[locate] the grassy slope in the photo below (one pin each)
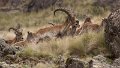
(81, 8)
(83, 46)
(86, 45)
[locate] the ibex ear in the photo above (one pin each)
(28, 32)
(77, 21)
(104, 19)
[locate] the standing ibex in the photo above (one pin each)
(60, 30)
(18, 33)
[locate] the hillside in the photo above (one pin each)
(50, 51)
(81, 8)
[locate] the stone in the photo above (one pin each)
(5, 65)
(112, 33)
(74, 63)
(6, 49)
(116, 62)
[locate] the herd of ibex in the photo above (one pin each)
(70, 27)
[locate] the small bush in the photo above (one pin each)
(34, 52)
(91, 43)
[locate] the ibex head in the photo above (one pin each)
(18, 33)
(30, 36)
(71, 16)
(77, 23)
(70, 21)
(88, 20)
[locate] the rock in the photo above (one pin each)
(3, 44)
(74, 63)
(112, 33)
(101, 62)
(113, 4)
(96, 62)
(100, 58)
(116, 62)
(5, 65)
(6, 49)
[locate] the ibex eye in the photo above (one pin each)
(77, 21)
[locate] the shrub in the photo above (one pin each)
(90, 43)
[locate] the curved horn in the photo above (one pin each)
(12, 29)
(70, 17)
(63, 10)
(52, 24)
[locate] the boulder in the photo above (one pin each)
(98, 61)
(101, 62)
(6, 49)
(5, 65)
(74, 63)
(116, 62)
(112, 33)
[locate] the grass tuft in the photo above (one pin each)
(90, 43)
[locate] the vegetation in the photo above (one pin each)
(88, 44)
(85, 45)
(81, 8)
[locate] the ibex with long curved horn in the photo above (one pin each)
(71, 23)
(18, 33)
(67, 28)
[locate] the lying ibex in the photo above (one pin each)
(67, 28)
(18, 33)
(88, 25)
(70, 24)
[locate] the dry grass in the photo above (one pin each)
(91, 43)
(44, 65)
(28, 19)
(86, 45)
(81, 8)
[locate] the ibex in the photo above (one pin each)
(70, 24)
(18, 33)
(67, 28)
(88, 25)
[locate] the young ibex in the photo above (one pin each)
(88, 25)
(18, 33)
(60, 30)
